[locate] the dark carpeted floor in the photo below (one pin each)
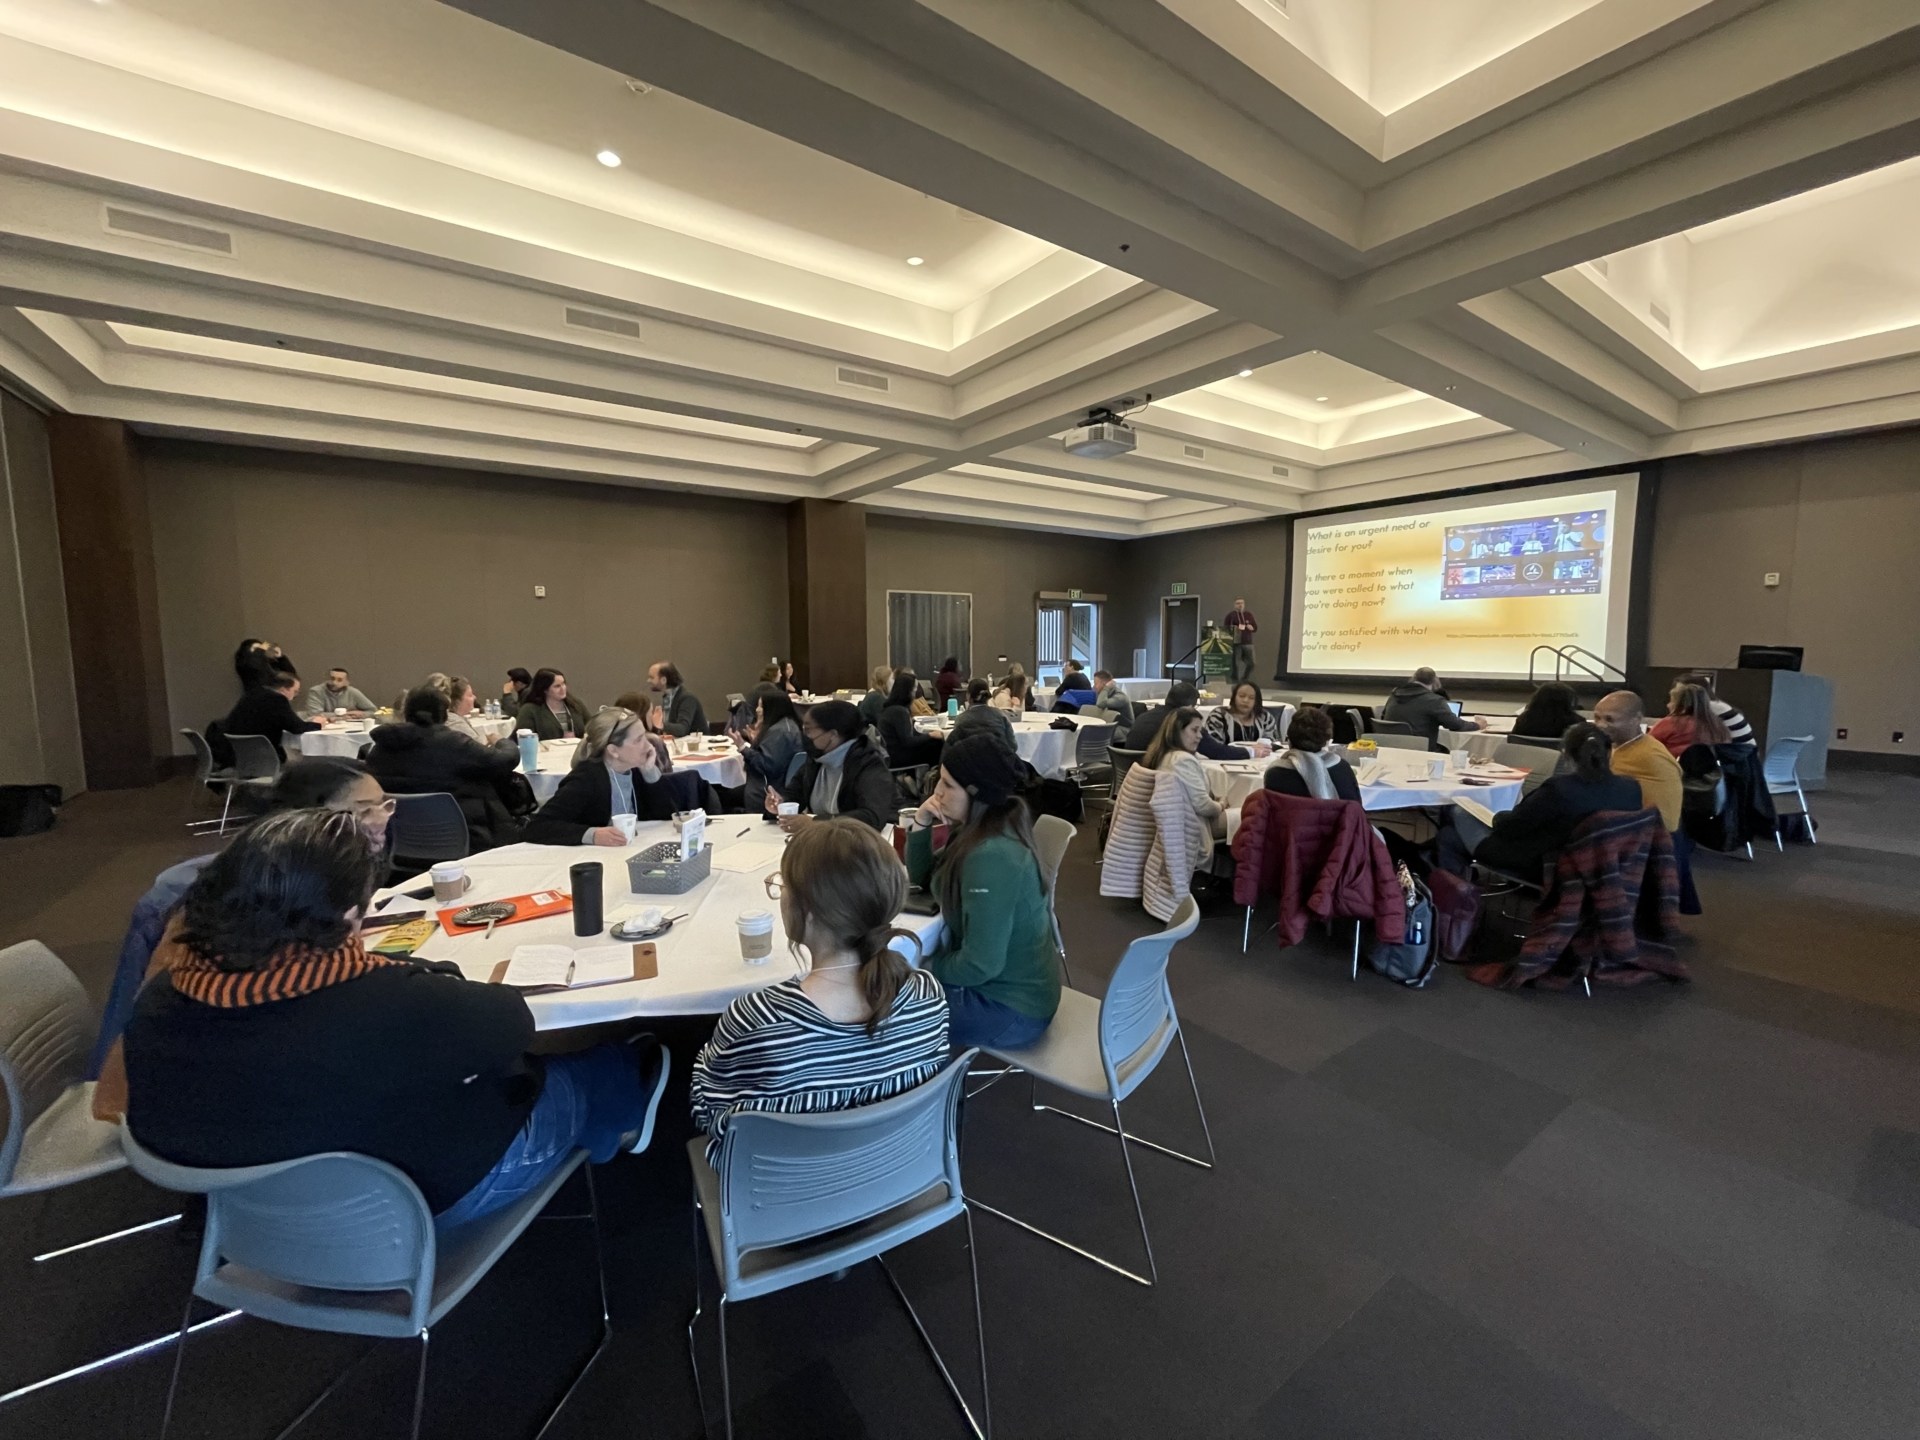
(1451, 1213)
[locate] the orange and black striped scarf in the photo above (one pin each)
(296, 971)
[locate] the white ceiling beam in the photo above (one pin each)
(1133, 472)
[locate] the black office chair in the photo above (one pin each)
(1390, 727)
(428, 828)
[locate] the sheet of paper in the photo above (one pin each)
(1475, 809)
(532, 965)
(602, 964)
(746, 856)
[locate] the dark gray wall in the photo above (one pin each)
(1216, 565)
(40, 736)
(1840, 521)
(395, 571)
(1004, 570)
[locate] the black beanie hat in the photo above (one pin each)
(983, 766)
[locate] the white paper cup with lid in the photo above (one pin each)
(755, 928)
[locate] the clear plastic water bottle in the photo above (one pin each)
(529, 751)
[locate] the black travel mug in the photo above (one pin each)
(586, 881)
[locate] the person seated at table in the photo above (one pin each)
(550, 710)
(267, 709)
(1524, 839)
(462, 706)
(1622, 714)
(905, 745)
(1421, 705)
(1548, 712)
(256, 662)
(1244, 719)
(274, 1034)
(1013, 694)
(513, 693)
(948, 682)
(860, 1026)
(1308, 768)
(845, 772)
(435, 680)
(654, 719)
(1075, 690)
(1173, 750)
(614, 772)
(423, 755)
(338, 693)
(875, 700)
(981, 716)
(1109, 696)
(684, 714)
(997, 956)
(1181, 695)
(785, 679)
(1689, 721)
(769, 746)
(1739, 728)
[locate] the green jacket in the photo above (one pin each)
(1001, 943)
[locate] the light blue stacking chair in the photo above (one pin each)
(797, 1197)
(1103, 1049)
(346, 1244)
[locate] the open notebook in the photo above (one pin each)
(561, 967)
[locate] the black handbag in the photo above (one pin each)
(1411, 961)
(27, 809)
(1703, 796)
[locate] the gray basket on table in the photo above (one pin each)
(659, 870)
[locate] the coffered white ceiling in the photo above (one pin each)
(1331, 250)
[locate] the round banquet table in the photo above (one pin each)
(334, 740)
(722, 769)
(1398, 780)
(701, 971)
(1480, 744)
(1051, 752)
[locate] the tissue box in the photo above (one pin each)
(659, 870)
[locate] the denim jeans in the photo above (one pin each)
(973, 1019)
(589, 1102)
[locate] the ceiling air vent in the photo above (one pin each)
(605, 324)
(1194, 452)
(1661, 316)
(1281, 470)
(863, 379)
(121, 221)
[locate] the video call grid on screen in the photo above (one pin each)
(1377, 591)
(1559, 554)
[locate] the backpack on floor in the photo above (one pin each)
(1410, 961)
(27, 809)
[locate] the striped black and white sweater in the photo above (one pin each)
(775, 1050)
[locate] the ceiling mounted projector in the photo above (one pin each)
(1101, 436)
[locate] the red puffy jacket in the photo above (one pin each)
(1321, 860)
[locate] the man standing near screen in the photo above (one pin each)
(1241, 626)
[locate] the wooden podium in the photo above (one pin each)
(1777, 703)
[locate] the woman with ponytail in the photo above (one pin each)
(997, 956)
(1525, 838)
(858, 1025)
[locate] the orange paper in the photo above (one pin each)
(526, 907)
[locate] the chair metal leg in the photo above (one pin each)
(1356, 952)
(331, 1386)
(1749, 849)
(1778, 843)
(1812, 838)
(982, 1427)
(1206, 1131)
(693, 1354)
(606, 1313)
(420, 1388)
(179, 1355)
(226, 810)
(726, 1371)
(1246, 931)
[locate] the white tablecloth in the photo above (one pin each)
(1051, 752)
(725, 770)
(334, 740)
(1398, 780)
(701, 971)
(491, 727)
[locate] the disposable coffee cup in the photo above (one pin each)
(626, 825)
(789, 807)
(339, 709)
(449, 883)
(756, 936)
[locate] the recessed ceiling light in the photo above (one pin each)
(608, 158)
(915, 260)
(1245, 373)
(1320, 399)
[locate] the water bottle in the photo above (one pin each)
(529, 751)
(953, 705)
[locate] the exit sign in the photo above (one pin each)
(1075, 594)
(1177, 588)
